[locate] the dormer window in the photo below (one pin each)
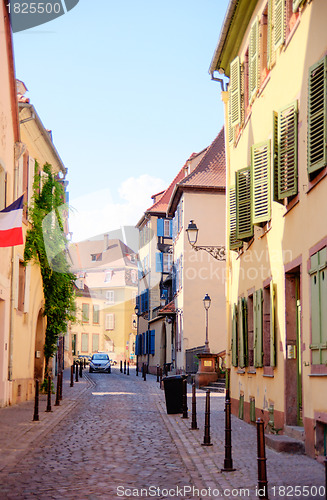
(96, 257)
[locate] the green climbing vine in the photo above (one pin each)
(46, 244)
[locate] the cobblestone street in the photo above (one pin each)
(111, 437)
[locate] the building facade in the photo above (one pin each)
(106, 289)
(274, 53)
(10, 150)
(200, 197)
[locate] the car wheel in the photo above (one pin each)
(90, 370)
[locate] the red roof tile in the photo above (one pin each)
(211, 170)
(168, 309)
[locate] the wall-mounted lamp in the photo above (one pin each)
(217, 252)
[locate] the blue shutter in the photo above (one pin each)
(136, 345)
(146, 299)
(138, 302)
(170, 229)
(152, 341)
(174, 278)
(147, 336)
(160, 227)
(143, 343)
(159, 262)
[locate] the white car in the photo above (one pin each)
(100, 362)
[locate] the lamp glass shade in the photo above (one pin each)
(206, 301)
(192, 232)
(136, 309)
(162, 301)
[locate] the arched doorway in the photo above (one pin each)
(39, 345)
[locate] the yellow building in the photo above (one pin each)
(106, 287)
(10, 150)
(274, 53)
(28, 323)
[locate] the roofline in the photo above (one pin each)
(236, 20)
(23, 105)
(176, 196)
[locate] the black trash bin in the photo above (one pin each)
(173, 386)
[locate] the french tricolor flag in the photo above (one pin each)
(11, 232)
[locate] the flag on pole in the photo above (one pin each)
(11, 232)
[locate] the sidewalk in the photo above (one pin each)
(284, 471)
(19, 434)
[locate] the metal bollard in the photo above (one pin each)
(125, 367)
(194, 425)
(262, 471)
(157, 373)
(137, 369)
(206, 438)
(228, 462)
(160, 379)
(110, 368)
(121, 366)
(144, 372)
(72, 376)
(36, 402)
(76, 373)
(128, 368)
(49, 396)
(184, 400)
(73, 365)
(81, 369)
(84, 362)
(57, 403)
(60, 386)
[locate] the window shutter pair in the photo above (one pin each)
(244, 226)
(260, 183)
(234, 243)
(317, 113)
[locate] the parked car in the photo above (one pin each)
(100, 362)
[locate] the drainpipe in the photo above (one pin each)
(224, 97)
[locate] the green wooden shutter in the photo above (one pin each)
(275, 158)
(234, 244)
(269, 34)
(279, 24)
(317, 113)
(253, 59)
(244, 226)
(234, 336)
(242, 333)
(296, 4)
(240, 325)
(318, 274)
(245, 331)
(287, 151)
(235, 91)
(257, 326)
(272, 325)
(260, 182)
(230, 128)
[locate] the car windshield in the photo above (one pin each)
(100, 356)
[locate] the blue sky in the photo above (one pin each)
(124, 86)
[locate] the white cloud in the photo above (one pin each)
(97, 213)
